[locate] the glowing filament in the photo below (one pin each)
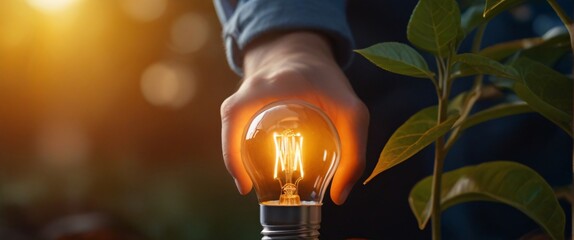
(288, 152)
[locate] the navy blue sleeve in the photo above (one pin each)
(245, 20)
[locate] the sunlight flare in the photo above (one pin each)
(51, 6)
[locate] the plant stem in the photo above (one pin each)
(470, 100)
(570, 28)
(560, 12)
(437, 180)
(565, 20)
(443, 94)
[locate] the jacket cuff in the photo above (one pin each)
(255, 18)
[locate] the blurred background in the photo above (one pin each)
(110, 129)
(109, 122)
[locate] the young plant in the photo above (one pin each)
(437, 27)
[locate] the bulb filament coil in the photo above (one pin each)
(288, 162)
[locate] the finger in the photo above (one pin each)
(353, 134)
(232, 124)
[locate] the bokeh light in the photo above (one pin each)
(62, 144)
(110, 123)
(189, 33)
(144, 10)
(51, 6)
(168, 85)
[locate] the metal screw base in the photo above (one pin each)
(290, 222)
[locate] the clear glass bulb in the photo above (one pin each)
(290, 150)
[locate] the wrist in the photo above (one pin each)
(280, 48)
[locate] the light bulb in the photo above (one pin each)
(290, 150)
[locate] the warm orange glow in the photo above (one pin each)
(288, 148)
(95, 97)
(62, 143)
(189, 33)
(288, 151)
(51, 5)
(168, 85)
(144, 10)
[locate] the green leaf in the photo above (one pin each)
(415, 134)
(501, 181)
(483, 65)
(546, 91)
(498, 111)
(546, 49)
(434, 26)
(555, 44)
(503, 50)
(494, 7)
(457, 104)
(397, 58)
(471, 18)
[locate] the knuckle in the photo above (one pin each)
(228, 162)
(228, 107)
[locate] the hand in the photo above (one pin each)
(296, 65)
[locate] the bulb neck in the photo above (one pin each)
(290, 222)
